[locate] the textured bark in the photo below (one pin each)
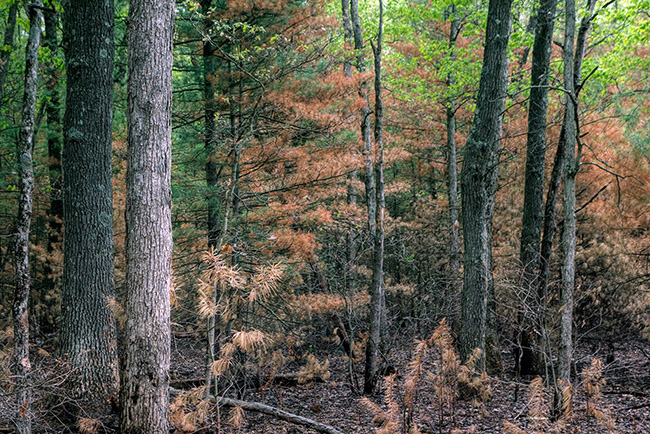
(569, 232)
(8, 45)
(210, 113)
(21, 366)
(347, 36)
(533, 313)
(479, 180)
(144, 394)
(452, 184)
(88, 338)
(377, 306)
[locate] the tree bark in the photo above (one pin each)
(21, 364)
(452, 185)
(479, 180)
(144, 394)
(88, 337)
(569, 232)
(8, 46)
(377, 305)
(210, 113)
(531, 359)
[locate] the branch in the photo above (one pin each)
(271, 411)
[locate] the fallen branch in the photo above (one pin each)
(271, 411)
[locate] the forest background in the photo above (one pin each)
(295, 229)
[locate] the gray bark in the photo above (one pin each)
(530, 360)
(569, 232)
(9, 45)
(479, 180)
(88, 337)
(21, 365)
(377, 306)
(347, 36)
(144, 394)
(452, 185)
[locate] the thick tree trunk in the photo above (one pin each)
(377, 306)
(144, 394)
(21, 365)
(452, 185)
(88, 338)
(569, 232)
(479, 179)
(530, 359)
(8, 45)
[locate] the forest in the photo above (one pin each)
(324, 216)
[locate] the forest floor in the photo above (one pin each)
(625, 396)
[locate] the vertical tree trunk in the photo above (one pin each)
(452, 186)
(530, 359)
(88, 338)
(8, 45)
(144, 394)
(377, 290)
(210, 113)
(21, 365)
(569, 232)
(479, 179)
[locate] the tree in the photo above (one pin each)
(479, 180)
(88, 337)
(144, 393)
(7, 47)
(21, 364)
(377, 304)
(529, 360)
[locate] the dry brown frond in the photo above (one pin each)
(537, 406)
(313, 369)
(567, 400)
(379, 416)
(248, 341)
(510, 428)
(220, 366)
(237, 416)
(117, 310)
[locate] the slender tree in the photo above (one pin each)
(8, 46)
(479, 180)
(21, 364)
(144, 394)
(569, 200)
(88, 338)
(530, 361)
(377, 290)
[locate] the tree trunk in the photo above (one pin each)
(21, 365)
(452, 186)
(210, 113)
(479, 179)
(144, 394)
(88, 338)
(377, 306)
(569, 232)
(530, 360)
(8, 47)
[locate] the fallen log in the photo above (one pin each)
(271, 411)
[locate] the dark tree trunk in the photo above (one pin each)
(479, 180)
(21, 365)
(8, 45)
(377, 306)
(210, 113)
(144, 394)
(88, 337)
(530, 359)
